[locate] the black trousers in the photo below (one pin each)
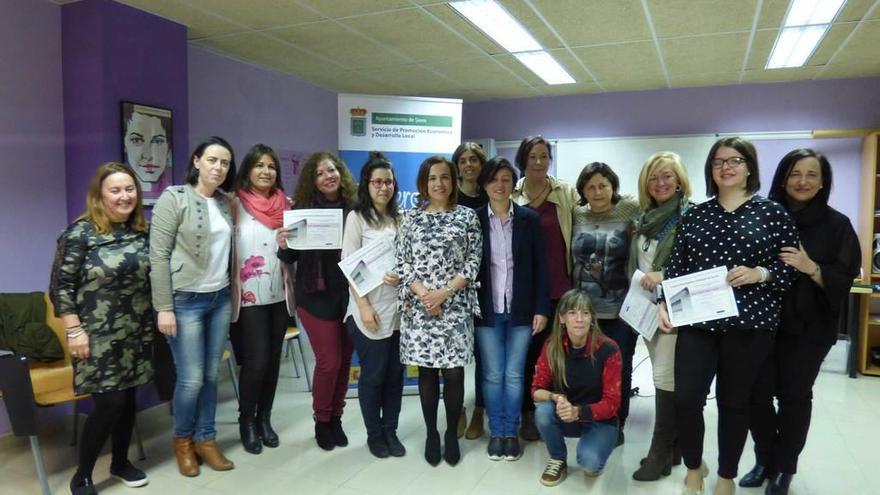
(733, 356)
(260, 338)
(113, 416)
(789, 373)
(380, 383)
(625, 338)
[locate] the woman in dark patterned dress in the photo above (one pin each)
(439, 247)
(101, 289)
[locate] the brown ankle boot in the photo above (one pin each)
(475, 429)
(207, 450)
(186, 456)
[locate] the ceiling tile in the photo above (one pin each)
(200, 24)
(855, 10)
(569, 89)
(348, 8)
(773, 12)
(414, 34)
(859, 57)
(623, 61)
(636, 84)
(831, 43)
(333, 41)
(485, 72)
(687, 17)
(268, 52)
(351, 82)
(704, 79)
(502, 93)
(258, 15)
(762, 45)
(585, 22)
(716, 53)
(572, 63)
(446, 15)
(780, 75)
(410, 78)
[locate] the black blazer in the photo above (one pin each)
(531, 292)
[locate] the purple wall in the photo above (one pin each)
(849, 103)
(32, 206)
(247, 105)
(112, 53)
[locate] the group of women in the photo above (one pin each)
(501, 263)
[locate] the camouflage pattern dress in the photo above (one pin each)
(104, 279)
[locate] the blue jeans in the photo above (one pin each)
(202, 330)
(503, 350)
(380, 384)
(597, 440)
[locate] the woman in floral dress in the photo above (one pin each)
(439, 246)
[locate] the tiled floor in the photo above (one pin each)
(839, 459)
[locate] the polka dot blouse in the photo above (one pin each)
(752, 235)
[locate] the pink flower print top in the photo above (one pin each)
(259, 269)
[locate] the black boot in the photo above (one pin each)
(756, 476)
(339, 437)
(82, 486)
(432, 448)
(451, 451)
(265, 430)
(247, 428)
(324, 435)
(659, 460)
(778, 484)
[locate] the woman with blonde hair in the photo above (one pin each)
(664, 190)
(101, 290)
(577, 389)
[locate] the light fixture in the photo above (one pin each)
(545, 66)
(493, 20)
(805, 26)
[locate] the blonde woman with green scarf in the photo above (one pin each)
(664, 191)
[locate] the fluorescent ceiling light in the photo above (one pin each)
(808, 12)
(545, 67)
(499, 25)
(795, 45)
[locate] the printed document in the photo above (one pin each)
(698, 297)
(314, 229)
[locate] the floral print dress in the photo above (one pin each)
(104, 280)
(259, 270)
(435, 247)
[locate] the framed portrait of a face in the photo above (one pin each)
(146, 147)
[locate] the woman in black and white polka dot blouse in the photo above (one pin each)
(745, 232)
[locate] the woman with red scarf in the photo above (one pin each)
(262, 303)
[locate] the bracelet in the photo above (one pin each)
(74, 335)
(764, 274)
(74, 327)
(450, 290)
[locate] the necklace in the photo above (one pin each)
(535, 198)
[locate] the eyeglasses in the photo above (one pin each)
(734, 161)
(378, 183)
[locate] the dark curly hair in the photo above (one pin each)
(306, 192)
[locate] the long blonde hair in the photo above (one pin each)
(95, 210)
(655, 161)
(574, 299)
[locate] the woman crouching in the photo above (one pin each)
(577, 389)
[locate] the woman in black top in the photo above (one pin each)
(827, 261)
(744, 232)
(321, 293)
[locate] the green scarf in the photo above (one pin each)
(651, 224)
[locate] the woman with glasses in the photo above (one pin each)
(745, 233)
(372, 319)
(601, 232)
(552, 200)
(827, 262)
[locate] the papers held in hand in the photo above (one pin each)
(314, 229)
(365, 268)
(699, 297)
(639, 309)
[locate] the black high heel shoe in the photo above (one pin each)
(756, 476)
(779, 484)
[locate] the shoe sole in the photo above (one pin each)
(553, 483)
(511, 458)
(132, 484)
(495, 457)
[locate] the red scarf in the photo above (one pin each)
(268, 211)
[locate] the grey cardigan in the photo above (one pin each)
(179, 232)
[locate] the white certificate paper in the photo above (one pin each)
(366, 267)
(700, 296)
(314, 229)
(639, 309)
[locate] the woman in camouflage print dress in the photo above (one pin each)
(100, 288)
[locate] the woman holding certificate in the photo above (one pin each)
(439, 246)
(600, 238)
(827, 261)
(261, 301)
(745, 233)
(372, 319)
(321, 293)
(664, 190)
